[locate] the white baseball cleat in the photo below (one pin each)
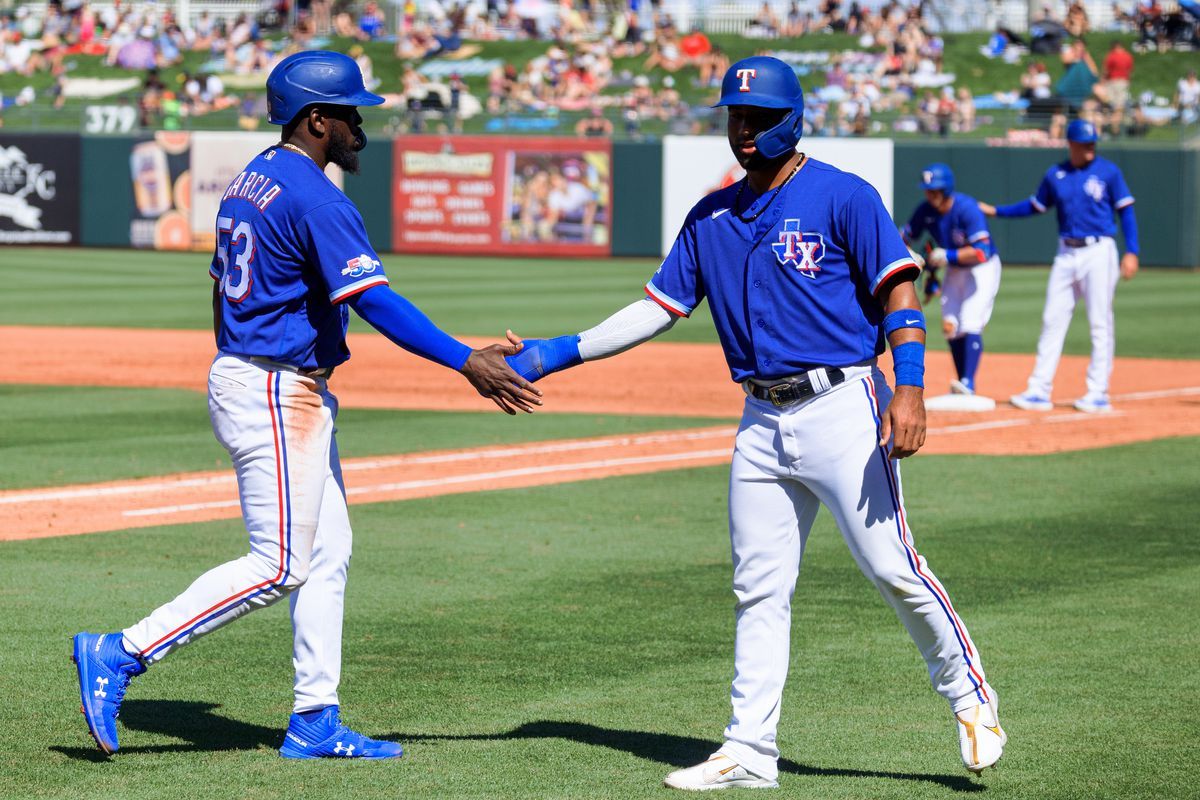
(958, 387)
(1031, 402)
(719, 772)
(980, 736)
(1093, 404)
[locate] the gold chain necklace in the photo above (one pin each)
(737, 198)
(295, 149)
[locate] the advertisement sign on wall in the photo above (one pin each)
(694, 166)
(162, 192)
(218, 158)
(484, 195)
(39, 189)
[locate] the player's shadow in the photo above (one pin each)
(676, 751)
(194, 722)
(202, 730)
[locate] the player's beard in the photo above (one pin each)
(757, 162)
(342, 151)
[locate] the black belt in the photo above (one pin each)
(792, 389)
(319, 372)
(1083, 241)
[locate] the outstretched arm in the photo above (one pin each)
(405, 325)
(636, 323)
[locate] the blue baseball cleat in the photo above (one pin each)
(327, 737)
(105, 670)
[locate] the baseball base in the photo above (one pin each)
(959, 402)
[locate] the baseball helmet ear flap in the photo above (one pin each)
(765, 82)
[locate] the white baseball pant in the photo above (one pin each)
(786, 463)
(968, 296)
(1090, 272)
(278, 427)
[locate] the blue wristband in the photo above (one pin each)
(904, 318)
(952, 256)
(539, 357)
(908, 359)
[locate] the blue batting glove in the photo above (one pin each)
(539, 357)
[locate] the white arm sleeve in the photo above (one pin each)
(629, 327)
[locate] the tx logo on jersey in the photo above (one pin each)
(1094, 188)
(361, 265)
(801, 250)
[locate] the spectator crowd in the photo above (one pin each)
(893, 81)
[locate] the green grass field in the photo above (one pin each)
(1156, 312)
(575, 641)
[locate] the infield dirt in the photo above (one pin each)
(1153, 398)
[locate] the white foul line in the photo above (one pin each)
(522, 450)
(539, 448)
(452, 480)
(42, 495)
(1185, 390)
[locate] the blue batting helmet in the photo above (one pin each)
(765, 82)
(1082, 131)
(938, 176)
(315, 76)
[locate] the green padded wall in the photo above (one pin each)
(106, 192)
(371, 191)
(637, 198)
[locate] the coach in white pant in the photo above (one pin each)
(1087, 192)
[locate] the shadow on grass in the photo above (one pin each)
(202, 730)
(678, 751)
(194, 722)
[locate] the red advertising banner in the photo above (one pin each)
(493, 196)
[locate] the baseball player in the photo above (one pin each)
(972, 278)
(822, 279)
(1085, 190)
(292, 256)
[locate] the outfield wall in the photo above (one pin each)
(159, 191)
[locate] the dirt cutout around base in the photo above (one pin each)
(1153, 399)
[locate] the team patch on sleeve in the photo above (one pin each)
(360, 265)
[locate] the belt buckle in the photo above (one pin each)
(776, 394)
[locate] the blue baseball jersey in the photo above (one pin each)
(1084, 199)
(962, 226)
(795, 287)
(290, 248)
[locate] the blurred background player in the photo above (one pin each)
(972, 278)
(1086, 191)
